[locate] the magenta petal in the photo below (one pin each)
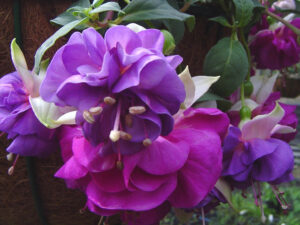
(164, 157)
(100, 211)
(109, 181)
(201, 170)
(71, 170)
(130, 163)
(145, 181)
(126, 200)
(89, 156)
(205, 119)
(150, 217)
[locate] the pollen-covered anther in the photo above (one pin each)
(120, 165)
(136, 110)
(10, 157)
(125, 136)
(109, 100)
(114, 135)
(128, 120)
(96, 110)
(147, 142)
(10, 170)
(88, 116)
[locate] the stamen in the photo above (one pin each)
(203, 216)
(254, 193)
(10, 157)
(12, 168)
(128, 120)
(263, 217)
(88, 117)
(125, 136)
(109, 100)
(96, 110)
(147, 142)
(136, 110)
(115, 133)
(280, 198)
(101, 220)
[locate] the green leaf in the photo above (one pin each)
(52, 39)
(67, 16)
(109, 6)
(228, 59)
(208, 96)
(176, 28)
(243, 11)
(96, 3)
(221, 20)
(139, 10)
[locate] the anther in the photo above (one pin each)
(136, 110)
(128, 120)
(109, 100)
(11, 170)
(125, 136)
(96, 110)
(10, 157)
(88, 117)
(147, 142)
(114, 135)
(120, 165)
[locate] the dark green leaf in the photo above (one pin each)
(176, 28)
(208, 96)
(96, 3)
(227, 59)
(139, 10)
(221, 20)
(243, 11)
(109, 6)
(52, 39)
(67, 16)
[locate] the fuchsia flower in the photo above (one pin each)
(17, 119)
(276, 49)
(251, 154)
(263, 101)
(121, 84)
(177, 170)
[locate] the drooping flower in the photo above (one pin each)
(263, 101)
(17, 119)
(250, 153)
(179, 169)
(276, 49)
(124, 88)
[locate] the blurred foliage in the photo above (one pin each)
(248, 213)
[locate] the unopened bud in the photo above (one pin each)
(147, 142)
(114, 135)
(136, 110)
(109, 100)
(169, 44)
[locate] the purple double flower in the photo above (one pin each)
(124, 88)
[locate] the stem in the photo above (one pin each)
(243, 94)
(245, 44)
(185, 7)
(292, 27)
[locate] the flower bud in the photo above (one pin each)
(248, 88)
(169, 44)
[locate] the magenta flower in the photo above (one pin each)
(276, 49)
(177, 170)
(251, 154)
(124, 88)
(30, 137)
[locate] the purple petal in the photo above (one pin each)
(152, 39)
